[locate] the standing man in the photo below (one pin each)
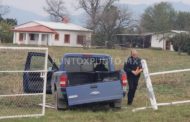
(133, 69)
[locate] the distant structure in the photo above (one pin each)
(52, 34)
(148, 40)
(134, 40)
(163, 41)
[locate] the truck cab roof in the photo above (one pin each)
(86, 55)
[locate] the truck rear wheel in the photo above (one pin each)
(116, 104)
(60, 104)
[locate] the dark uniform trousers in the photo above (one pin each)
(133, 83)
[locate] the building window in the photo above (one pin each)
(21, 36)
(56, 36)
(81, 39)
(44, 37)
(32, 37)
(67, 38)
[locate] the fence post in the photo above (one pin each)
(148, 82)
(45, 81)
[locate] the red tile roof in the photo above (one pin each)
(38, 28)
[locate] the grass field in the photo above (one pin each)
(167, 88)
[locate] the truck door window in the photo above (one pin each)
(37, 63)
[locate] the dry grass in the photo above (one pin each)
(167, 88)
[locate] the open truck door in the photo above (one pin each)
(33, 81)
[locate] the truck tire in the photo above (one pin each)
(60, 104)
(116, 104)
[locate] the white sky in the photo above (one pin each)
(152, 1)
(36, 6)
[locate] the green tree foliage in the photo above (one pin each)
(6, 24)
(10, 21)
(6, 35)
(188, 47)
(181, 42)
(182, 21)
(158, 18)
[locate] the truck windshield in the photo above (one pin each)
(86, 64)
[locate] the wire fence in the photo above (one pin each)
(23, 76)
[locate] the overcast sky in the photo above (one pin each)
(36, 6)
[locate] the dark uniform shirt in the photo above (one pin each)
(131, 65)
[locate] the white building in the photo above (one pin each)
(52, 34)
(160, 40)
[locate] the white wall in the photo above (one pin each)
(156, 41)
(27, 40)
(73, 38)
(51, 39)
(16, 39)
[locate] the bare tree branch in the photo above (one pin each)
(56, 9)
(113, 21)
(92, 8)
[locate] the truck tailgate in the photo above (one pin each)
(97, 92)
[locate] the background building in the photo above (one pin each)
(51, 34)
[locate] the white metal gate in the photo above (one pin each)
(22, 83)
(151, 95)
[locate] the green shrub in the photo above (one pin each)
(188, 47)
(181, 42)
(6, 35)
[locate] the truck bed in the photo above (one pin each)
(81, 78)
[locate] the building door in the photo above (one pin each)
(168, 45)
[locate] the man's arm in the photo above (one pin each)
(139, 70)
(127, 67)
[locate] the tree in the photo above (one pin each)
(105, 19)
(94, 9)
(188, 47)
(182, 21)
(10, 21)
(56, 9)
(181, 42)
(158, 18)
(6, 35)
(114, 20)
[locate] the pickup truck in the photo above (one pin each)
(78, 81)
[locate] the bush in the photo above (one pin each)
(6, 36)
(188, 47)
(181, 42)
